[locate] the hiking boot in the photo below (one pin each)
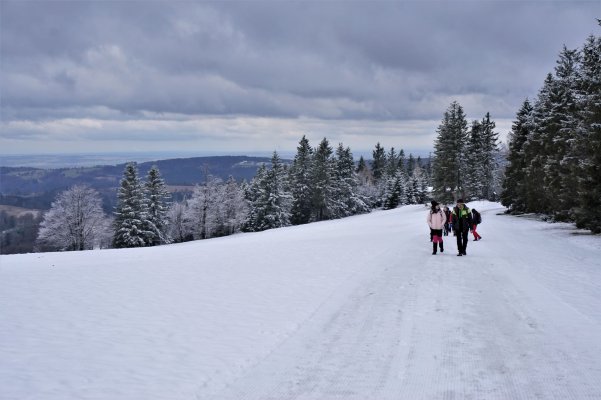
(459, 254)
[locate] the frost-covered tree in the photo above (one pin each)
(300, 183)
(178, 228)
(234, 207)
(204, 214)
(75, 221)
(132, 227)
(156, 200)
(450, 155)
(366, 188)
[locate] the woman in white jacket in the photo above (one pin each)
(436, 220)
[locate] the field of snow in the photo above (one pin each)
(350, 309)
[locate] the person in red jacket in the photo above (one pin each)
(476, 219)
(436, 220)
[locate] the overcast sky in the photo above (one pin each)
(251, 76)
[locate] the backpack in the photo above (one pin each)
(478, 219)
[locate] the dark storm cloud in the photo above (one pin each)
(375, 61)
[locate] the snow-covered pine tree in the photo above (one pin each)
(562, 163)
(514, 191)
(474, 177)
(489, 151)
(269, 198)
(300, 183)
(395, 192)
(366, 189)
(450, 155)
(75, 221)
(421, 182)
(132, 228)
(410, 165)
(403, 163)
(157, 197)
(378, 163)
(392, 162)
(322, 178)
(536, 148)
(254, 194)
(587, 145)
(348, 197)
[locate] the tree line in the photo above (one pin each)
(554, 160)
(319, 184)
(467, 160)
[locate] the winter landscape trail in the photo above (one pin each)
(350, 309)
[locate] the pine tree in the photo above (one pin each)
(587, 146)
(157, 196)
(392, 162)
(402, 164)
(410, 165)
(378, 164)
(514, 191)
(474, 178)
(488, 163)
(537, 199)
(395, 193)
(132, 226)
(561, 163)
(323, 175)
(300, 183)
(269, 198)
(348, 198)
(449, 155)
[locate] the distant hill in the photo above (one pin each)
(30, 187)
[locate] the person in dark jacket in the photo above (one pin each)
(476, 219)
(447, 225)
(462, 224)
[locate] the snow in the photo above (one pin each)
(349, 309)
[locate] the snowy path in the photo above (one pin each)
(506, 322)
(352, 309)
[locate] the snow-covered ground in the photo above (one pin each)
(350, 309)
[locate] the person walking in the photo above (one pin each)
(447, 225)
(476, 220)
(436, 221)
(462, 224)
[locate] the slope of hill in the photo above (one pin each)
(349, 309)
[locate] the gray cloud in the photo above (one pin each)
(330, 61)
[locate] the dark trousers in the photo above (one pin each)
(462, 242)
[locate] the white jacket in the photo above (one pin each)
(436, 220)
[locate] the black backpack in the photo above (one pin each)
(478, 218)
